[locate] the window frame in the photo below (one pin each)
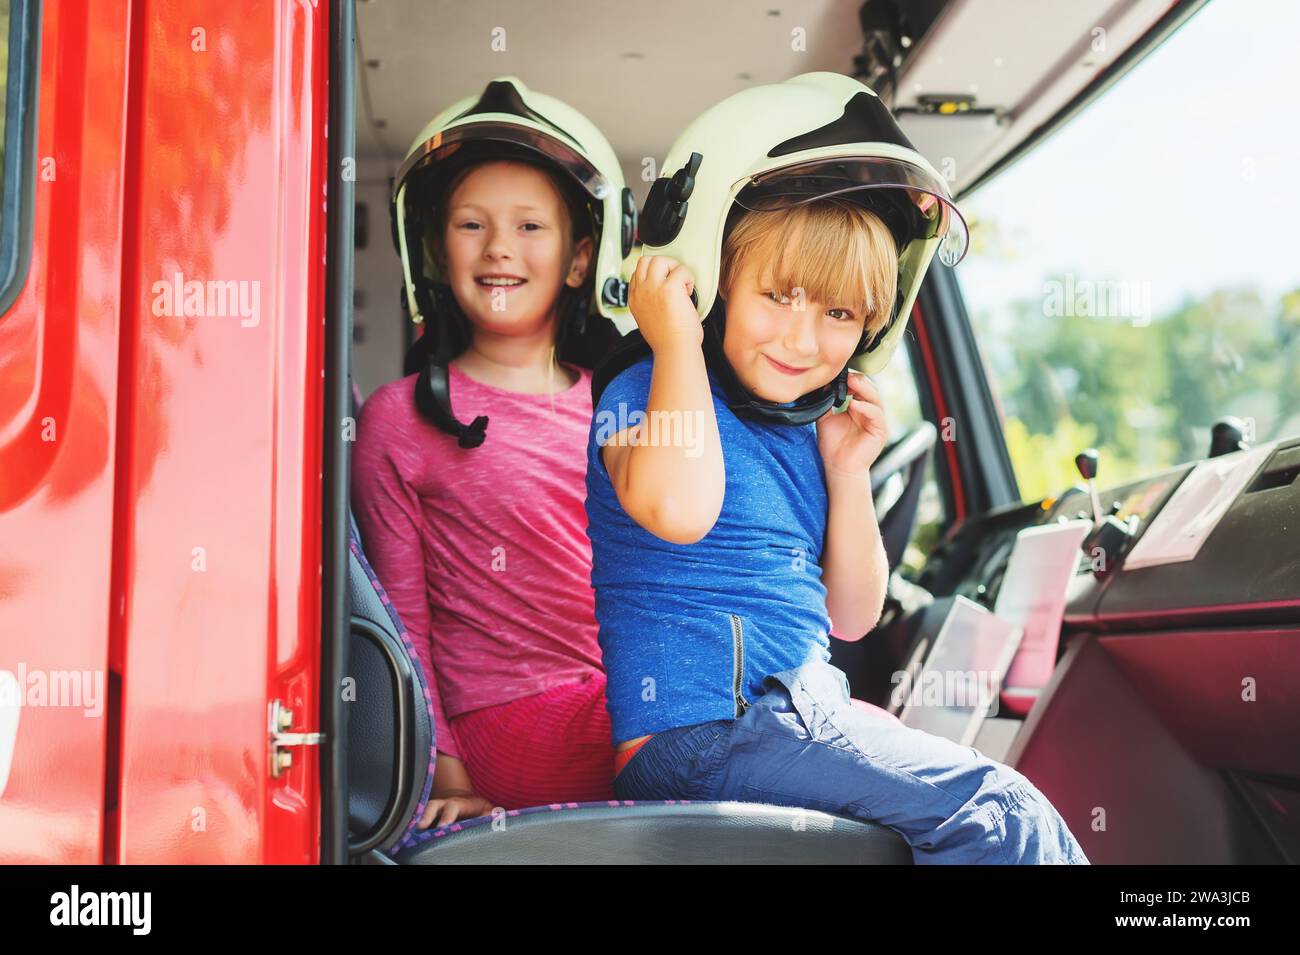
(974, 470)
(336, 451)
(18, 185)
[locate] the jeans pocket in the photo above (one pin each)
(817, 691)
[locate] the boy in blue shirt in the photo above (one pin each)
(728, 485)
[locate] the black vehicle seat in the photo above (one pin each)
(391, 762)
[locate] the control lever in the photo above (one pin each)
(1110, 536)
(1228, 435)
(1086, 461)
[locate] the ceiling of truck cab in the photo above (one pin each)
(642, 71)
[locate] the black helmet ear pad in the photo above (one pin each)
(446, 330)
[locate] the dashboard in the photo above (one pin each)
(1248, 565)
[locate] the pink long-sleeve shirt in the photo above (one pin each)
(483, 552)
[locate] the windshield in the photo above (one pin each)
(1136, 276)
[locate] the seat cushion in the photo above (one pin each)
(647, 833)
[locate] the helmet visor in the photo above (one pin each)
(447, 143)
(930, 212)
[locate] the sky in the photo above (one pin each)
(1182, 176)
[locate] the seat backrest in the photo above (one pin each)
(391, 746)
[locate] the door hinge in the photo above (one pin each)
(281, 718)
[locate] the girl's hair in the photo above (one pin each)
(835, 250)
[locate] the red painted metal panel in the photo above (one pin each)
(937, 390)
(170, 538)
(220, 467)
(58, 411)
(1227, 695)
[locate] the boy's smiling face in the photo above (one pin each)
(780, 344)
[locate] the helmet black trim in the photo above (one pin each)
(501, 96)
(866, 120)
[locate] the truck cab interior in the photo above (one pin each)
(1124, 317)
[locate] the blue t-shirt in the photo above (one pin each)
(688, 631)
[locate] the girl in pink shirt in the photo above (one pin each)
(511, 219)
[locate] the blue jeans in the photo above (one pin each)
(802, 743)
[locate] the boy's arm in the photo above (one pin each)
(855, 569)
(671, 489)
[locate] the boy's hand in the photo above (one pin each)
(451, 805)
(659, 297)
(851, 441)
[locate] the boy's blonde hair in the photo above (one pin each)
(836, 251)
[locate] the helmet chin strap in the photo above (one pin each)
(433, 397)
(433, 389)
(745, 404)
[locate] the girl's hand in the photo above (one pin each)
(851, 441)
(451, 805)
(659, 297)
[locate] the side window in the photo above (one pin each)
(1134, 278)
(898, 392)
(19, 38)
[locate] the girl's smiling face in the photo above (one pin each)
(508, 247)
(780, 344)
